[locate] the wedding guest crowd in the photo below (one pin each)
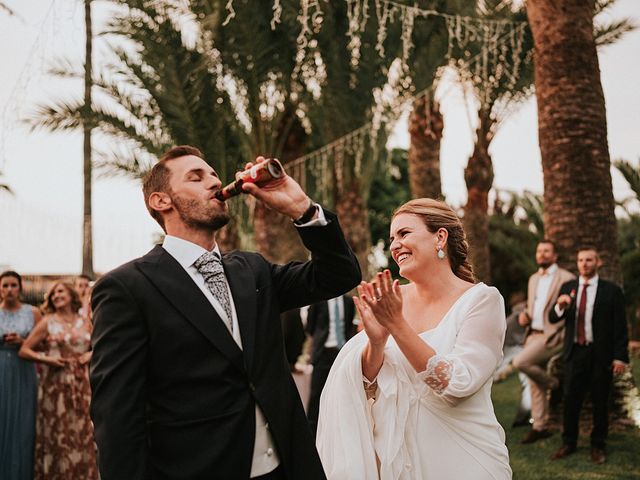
(45, 428)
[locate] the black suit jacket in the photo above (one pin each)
(610, 336)
(173, 397)
(318, 324)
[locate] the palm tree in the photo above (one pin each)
(632, 175)
(572, 124)
(156, 92)
(426, 122)
(426, 125)
(347, 100)
(87, 230)
(495, 105)
(496, 98)
(262, 62)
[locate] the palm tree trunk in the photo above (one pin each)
(87, 229)
(354, 220)
(572, 124)
(478, 176)
(425, 128)
(275, 236)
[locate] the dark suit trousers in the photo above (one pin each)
(318, 379)
(583, 374)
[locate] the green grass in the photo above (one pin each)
(533, 461)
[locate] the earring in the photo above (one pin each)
(441, 253)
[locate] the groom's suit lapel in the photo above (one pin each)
(175, 284)
(243, 289)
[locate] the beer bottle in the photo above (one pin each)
(261, 173)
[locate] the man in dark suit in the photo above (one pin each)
(189, 376)
(595, 347)
(330, 324)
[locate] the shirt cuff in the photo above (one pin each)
(319, 221)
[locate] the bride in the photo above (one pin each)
(410, 396)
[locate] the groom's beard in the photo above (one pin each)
(200, 215)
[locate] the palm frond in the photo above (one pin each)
(64, 67)
(129, 164)
(531, 205)
(602, 5)
(630, 173)
(58, 116)
(606, 34)
(5, 187)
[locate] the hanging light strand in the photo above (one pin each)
(354, 142)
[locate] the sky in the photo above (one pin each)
(41, 223)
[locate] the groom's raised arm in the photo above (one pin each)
(118, 377)
(332, 271)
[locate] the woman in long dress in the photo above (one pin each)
(65, 448)
(410, 396)
(18, 382)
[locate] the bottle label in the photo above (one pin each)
(254, 171)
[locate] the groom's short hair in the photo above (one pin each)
(157, 179)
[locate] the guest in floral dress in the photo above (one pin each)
(65, 448)
(18, 382)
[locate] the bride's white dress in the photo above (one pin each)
(417, 428)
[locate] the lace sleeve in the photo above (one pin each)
(456, 372)
(437, 374)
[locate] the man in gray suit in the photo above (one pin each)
(543, 340)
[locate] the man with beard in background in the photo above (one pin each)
(543, 340)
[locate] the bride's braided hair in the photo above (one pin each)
(436, 215)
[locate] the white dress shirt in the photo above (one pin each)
(332, 338)
(588, 313)
(542, 296)
(265, 458)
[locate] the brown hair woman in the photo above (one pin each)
(65, 447)
(410, 396)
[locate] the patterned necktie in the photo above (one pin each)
(338, 322)
(210, 267)
(582, 310)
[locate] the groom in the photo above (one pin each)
(189, 376)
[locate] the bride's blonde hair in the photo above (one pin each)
(436, 215)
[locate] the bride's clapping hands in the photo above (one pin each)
(379, 306)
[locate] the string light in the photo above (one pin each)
(485, 69)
